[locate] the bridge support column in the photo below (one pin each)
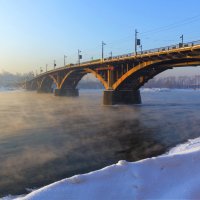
(112, 97)
(67, 92)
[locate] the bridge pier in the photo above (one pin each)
(67, 92)
(111, 97)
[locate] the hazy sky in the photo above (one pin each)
(35, 32)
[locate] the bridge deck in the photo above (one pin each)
(122, 75)
(178, 48)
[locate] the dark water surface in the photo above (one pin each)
(45, 138)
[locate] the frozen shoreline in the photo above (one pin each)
(174, 175)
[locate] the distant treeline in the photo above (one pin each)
(15, 80)
(8, 79)
(181, 82)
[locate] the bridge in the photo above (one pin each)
(122, 76)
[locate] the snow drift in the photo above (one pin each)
(174, 175)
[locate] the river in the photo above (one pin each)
(44, 138)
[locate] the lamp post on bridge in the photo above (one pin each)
(54, 64)
(111, 54)
(181, 39)
(181, 43)
(141, 48)
(102, 50)
(79, 57)
(137, 41)
(64, 59)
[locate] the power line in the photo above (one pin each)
(174, 25)
(114, 43)
(162, 28)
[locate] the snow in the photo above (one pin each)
(174, 175)
(144, 90)
(155, 89)
(10, 197)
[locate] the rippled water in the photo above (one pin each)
(45, 138)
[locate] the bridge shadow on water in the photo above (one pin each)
(59, 137)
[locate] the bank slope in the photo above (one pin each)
(175, 175)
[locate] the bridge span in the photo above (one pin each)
(122, 76)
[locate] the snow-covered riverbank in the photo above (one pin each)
(171, 176)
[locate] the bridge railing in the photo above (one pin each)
(160, 49)
(166, 48)
(171, 47)
(120, 56)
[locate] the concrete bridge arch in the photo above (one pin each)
(122, 76)
(68, 83)
(145, 71)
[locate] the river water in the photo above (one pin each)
(45, 138)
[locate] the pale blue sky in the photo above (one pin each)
(35, 32)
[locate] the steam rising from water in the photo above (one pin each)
(45, 138)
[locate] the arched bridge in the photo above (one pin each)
(122, 76)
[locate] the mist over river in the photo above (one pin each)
(44, 138)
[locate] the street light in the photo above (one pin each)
(137, 41)
(141, 48)
(181, 43)
(54, 64)
(64, 59)
(111, 54)
(102, 45)
(181, 39)
(79, 57)
(46, 67)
